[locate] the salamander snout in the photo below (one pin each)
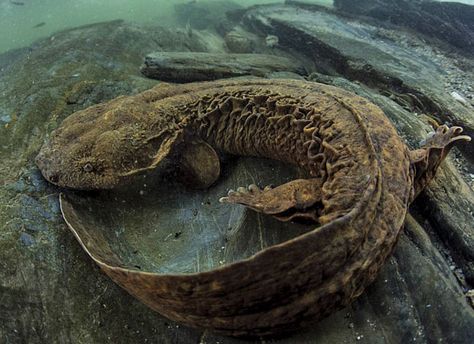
(48, 166)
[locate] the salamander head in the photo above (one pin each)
(102, 146)
(427, 159)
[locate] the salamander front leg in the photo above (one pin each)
(298, 200)
(198, 164)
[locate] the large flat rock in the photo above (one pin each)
(189, 67)
(449, 22)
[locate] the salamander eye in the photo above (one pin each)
(88, 167)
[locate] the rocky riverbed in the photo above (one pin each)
(51, 291)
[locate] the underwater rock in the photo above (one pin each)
(271, 41)
(27, 239)
(450, 22)
(448, 204)
(459, 98)
(5, 119)
(240, 41)
(188, 67)
(285, 75)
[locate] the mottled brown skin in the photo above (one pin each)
(362, 180)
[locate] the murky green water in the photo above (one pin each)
(23, 21)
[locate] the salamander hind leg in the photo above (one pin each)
(298, 200)
(426, 160)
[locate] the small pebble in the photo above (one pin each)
(271, 41)
(6, 118)
(27, 239)
(459, 98)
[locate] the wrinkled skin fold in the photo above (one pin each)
(363, 178)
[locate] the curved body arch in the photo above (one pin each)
(358, 193)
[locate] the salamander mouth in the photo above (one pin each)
(46, 163)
